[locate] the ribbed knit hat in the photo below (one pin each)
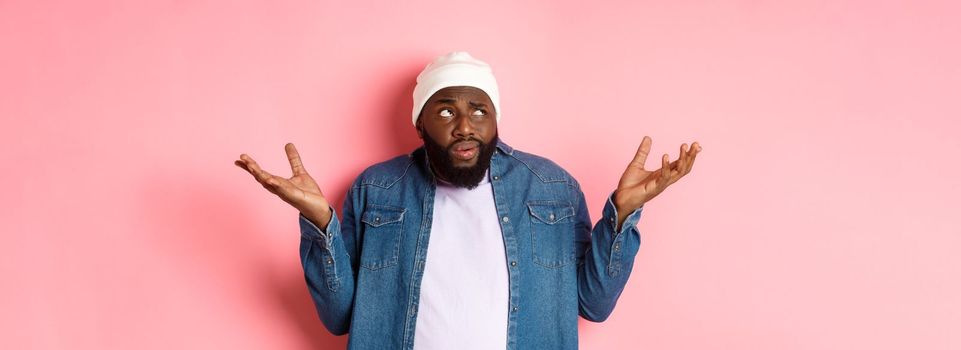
(457, 68)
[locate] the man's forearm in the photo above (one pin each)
(328, 272)
(608, 256)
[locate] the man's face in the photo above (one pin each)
(459, 128)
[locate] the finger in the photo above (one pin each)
(665, 171)
(672, 170)
(697, 149)
(640, 157)
(244, 163)
(281, 187)
(277, 185)
(296, 166)
(677, 168)
(690, 158)
(682, 159)
(258, 173)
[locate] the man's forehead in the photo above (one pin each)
(460, 92)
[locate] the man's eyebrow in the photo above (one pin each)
(449, 100)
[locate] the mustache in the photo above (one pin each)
(459, 142)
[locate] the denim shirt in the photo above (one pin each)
(364, 269)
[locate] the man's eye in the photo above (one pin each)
(446, 113)
(479, 112)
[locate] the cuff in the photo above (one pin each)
(311, 231)
(610, 214)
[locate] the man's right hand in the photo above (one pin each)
(299, 190)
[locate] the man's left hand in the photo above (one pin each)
(637, 186)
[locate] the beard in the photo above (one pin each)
(441, 161)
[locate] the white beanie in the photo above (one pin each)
(457, 68)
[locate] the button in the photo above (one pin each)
(377, 219)
(552, 216)
(617, 247)
(330, 261)
(506, 219)
(497, 177)
(513, 263)
(514, 309)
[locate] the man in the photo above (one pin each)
(466, 243)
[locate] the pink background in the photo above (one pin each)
(822, 213)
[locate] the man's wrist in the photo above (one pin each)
(622, 210)
(620, 205)
(321, 220)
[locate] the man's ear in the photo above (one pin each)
(419, 128)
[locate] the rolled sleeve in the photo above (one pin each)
(623, 246)
(311, 231)
(610, 213)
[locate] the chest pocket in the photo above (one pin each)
(552, 233)
(383, 229)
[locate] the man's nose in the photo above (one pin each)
(464, 126)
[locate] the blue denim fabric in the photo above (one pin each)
(364, 270)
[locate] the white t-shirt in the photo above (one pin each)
(464, 295)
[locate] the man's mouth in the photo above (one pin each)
(465, 150)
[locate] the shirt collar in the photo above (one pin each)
(504, 147)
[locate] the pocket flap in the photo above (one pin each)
(377, 215)
(550, 212)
